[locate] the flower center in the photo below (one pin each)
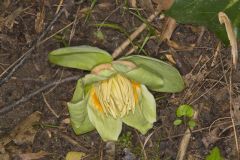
(116, 96)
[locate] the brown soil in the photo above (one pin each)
(206, 85)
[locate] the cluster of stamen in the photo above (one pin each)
(116, 96)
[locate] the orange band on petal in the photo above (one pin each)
(136, 86)
(96, 102)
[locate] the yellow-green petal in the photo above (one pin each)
(108, 127)
(79, 117)
(78, 94)
(80, 57)
(78, 110)
(148, 105)
(137, 120)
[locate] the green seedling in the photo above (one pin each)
(214, 154)
(126, 140)
(99, 35)
(115, 91)
(186, 112)
(61, 39)
(89, 12)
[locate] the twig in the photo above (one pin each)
(6, 75)
(185, 141)
(223, 18)
(17, 103)
(142, 145)
(73, 142)
(216, 54)
(49, 107)
(117, 52)
(59, 6)
(231, 112)
(195, 131)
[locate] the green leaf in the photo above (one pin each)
(137, 120)
(108, 127)
(80, 57)
(185, 110)
(177, 122)
(191, 124)
(148, 105)
(113, 26)
(172, 80)
(214, 154)
(205, 13)
(79, 117)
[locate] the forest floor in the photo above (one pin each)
(39, 126)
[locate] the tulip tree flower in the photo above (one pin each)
(115, 92)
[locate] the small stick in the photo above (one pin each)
(59, 6)
(49, 107)
(223, 18)
(185, 141)
(216, 54)
(10, 107)
(117, 52)
(232, 113)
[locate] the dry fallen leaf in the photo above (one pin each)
(147, 5)
(33, 156)
(2, 21)
(223, 18)
(164, 4)
(170, 58)
(6, 3)
(211, 138)
(168, 28)
(236, 109)
(9, 20)
(75, 155)
(4, 156)
(39, 21)
(23, 132)
(177, 46)
(133, 3)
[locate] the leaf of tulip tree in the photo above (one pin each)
(137, 120)
(172, 80)
(78, 111)
(108, 127)
(80, 57)
(205, 13)
(148, 105)
(146, 76)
